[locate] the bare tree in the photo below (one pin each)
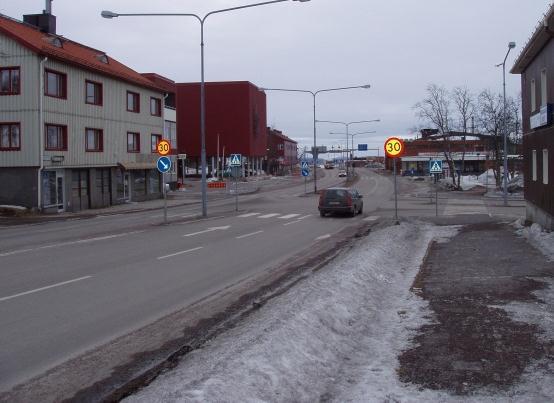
(490, 116)
(465, 108)
(435, 109)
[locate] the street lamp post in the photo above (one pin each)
(201, 20)
(347, 126)
(511, 45)
(314, 94)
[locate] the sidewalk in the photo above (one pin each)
(492, 329)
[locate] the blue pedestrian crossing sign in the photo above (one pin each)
(305, 165)
(164, 164)
(235, 160)
(435, 166)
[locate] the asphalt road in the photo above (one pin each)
(66, 287)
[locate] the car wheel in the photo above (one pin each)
(361, 210)
(322, 213)
(353, 212)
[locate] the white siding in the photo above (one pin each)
(112, 117)
(21, 108)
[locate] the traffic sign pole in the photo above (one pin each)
(395, 192)
(165, 198)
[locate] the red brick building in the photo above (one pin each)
(282, 153)
(235, 120)
(536, 66)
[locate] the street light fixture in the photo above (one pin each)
(511, 45)
(201, 20)
(314, 94)
(347, 126)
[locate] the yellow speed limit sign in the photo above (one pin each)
(163, 147)
(394, 147)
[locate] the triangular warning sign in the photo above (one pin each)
(235, 160)
(436, 167)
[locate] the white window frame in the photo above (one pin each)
(534, 165)
(533, 95)
(545, 166)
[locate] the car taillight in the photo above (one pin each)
(349, 200)
(321, 195)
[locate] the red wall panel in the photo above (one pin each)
(236, 111)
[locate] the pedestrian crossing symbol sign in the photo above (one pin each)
(235, 160)
(435, 166)
(305, 165)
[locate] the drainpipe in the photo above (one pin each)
(41, 131)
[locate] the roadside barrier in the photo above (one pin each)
(217, 185)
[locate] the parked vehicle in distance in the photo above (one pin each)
(340, 200)
(342, 173)
(329, 165)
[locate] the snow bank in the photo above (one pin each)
(334, 336)
(540, 239)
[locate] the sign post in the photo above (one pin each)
(235, 162)
(394, 148)
(164, 165)
(305, 173)
(435, 169)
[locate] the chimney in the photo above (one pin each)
(46, 22)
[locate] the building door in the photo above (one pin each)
(80, 187)
(122, 184)
(53, 189)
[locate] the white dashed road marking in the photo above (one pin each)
(249, 235)
(286, 217)
(44, 288)
(269, 215)
(180, 253)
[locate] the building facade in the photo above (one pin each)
(76, 126)
(235, 124)
(282, 153)
(536, 66)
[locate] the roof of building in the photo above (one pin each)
(542, 35)
(71, 52)
(280, 134)
(163, 82)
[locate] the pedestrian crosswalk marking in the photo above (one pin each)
(248, 215)
(286, 217)
(269, 215)
(371, 218)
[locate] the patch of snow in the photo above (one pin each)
(536, 236)
(334, 336)
(538, 378)
(9, 207)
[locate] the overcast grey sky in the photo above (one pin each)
(397, 46)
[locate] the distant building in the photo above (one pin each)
(76, 126)
(470, 156)
(235, 124)
(536, 66)
(282, 153)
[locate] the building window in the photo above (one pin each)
(543, 88)
(56, 138)
(93, 92)
(94, 140)
(170, 133)
(133, 142)
(10, 137)
(533, 96)
(155, 107)
(9, 81)
(133, 102)
(545, 166)
(534, 164)
(55, 84)
(155, 139)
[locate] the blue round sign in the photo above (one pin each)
(305, 172)
(164, 164)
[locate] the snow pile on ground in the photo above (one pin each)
(538, 378)
(542, 240)
(334, 336)
(469, 182)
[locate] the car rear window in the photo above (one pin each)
(333, 194)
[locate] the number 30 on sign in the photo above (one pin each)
(394, 147)
(163, 147)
